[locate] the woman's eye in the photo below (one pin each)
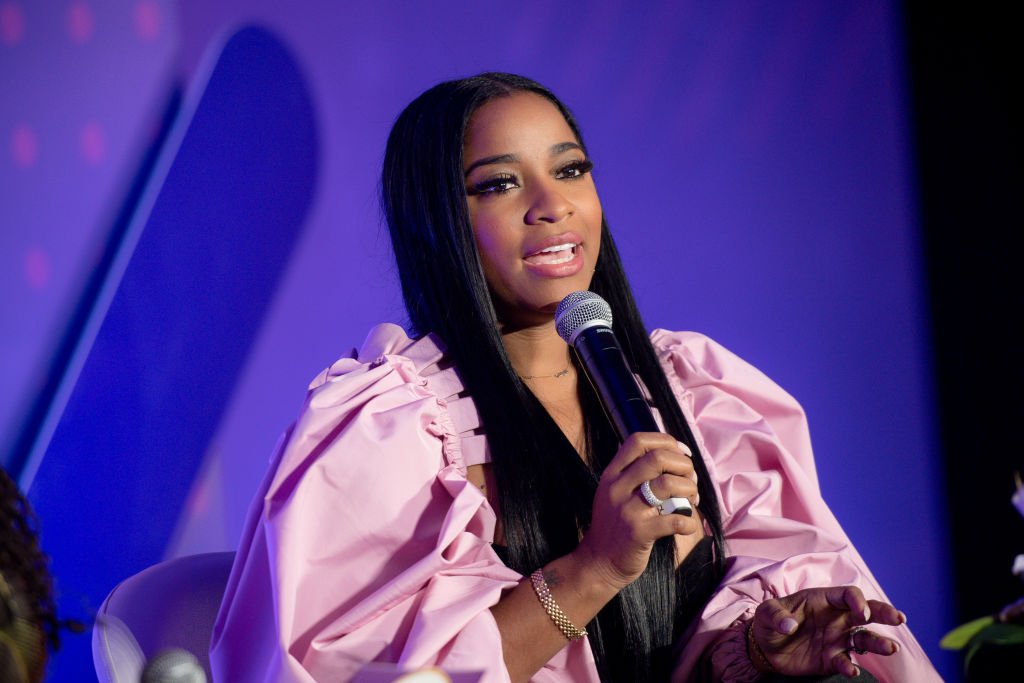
(494, 185)
(575, 169)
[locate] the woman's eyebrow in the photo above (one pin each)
(564, 147)
(496, 159)
(512, 158)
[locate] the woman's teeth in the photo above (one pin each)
(562, 253)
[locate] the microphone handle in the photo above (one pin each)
(620, 394)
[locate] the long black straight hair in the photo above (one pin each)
(545, 489)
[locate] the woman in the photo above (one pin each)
(461, 500)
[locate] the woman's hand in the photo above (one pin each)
(623, 526)
(813, 631)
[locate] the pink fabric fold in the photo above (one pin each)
(780, 535)
(366, 541)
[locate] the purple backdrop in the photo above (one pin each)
(752, 159)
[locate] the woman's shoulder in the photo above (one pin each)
(690, 353)
(695, 361)
(386, 343)
(389, 373)
(395, 396)
(398, 384)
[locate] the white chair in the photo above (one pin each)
(174, 605)
(169, 605)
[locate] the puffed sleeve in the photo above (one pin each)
(367, 542)
(780, 535)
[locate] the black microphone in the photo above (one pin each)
(174, 665)
(584, 321)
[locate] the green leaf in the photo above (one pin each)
(958, 638)
(996, 634)
(999, 634)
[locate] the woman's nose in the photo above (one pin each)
(549, 205)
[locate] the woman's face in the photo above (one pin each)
(533, 205)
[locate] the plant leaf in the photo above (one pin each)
(958, 638)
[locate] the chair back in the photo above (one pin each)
(169, 605)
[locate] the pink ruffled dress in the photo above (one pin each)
(366, 541)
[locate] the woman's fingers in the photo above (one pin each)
(817, 631)
(664, 458)
(668, 485)
(666, 525)
(884, 613)
(636, 446)
(657, 461)
(851, 599)
(774, 614)
(625, 525)
(863, 640)
(843, 664)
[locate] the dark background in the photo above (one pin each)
(965, 63)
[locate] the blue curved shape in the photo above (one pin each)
(209, 255)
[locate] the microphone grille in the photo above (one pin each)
(581, 310)
(174, 665)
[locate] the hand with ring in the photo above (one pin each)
(624, 522)
(815, 631)
(679, 506)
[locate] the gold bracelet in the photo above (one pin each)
(756, 654)
(540, 587)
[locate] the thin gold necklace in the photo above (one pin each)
(561, 373)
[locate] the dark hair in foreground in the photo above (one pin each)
(545, 489)
(28, 621)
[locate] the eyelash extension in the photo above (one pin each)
(493, 185)
(581, 167)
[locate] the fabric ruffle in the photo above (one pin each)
(780, 535)
(368, 543)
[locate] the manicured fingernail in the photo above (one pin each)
(867, 613)
(685, 449)
(787, 626)
(895, 647)
(903, 618)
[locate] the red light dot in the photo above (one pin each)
(12, 23)
(24, 145)
(81, 23)
(147, 20)
(37, 268)
(92, 143)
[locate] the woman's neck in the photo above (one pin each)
(543, 361)
(537, 352)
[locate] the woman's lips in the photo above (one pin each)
(557, 253)
(556, 261)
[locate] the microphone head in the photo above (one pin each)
(580, 311)
(174, 665)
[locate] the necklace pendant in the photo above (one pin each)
(560, 373)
